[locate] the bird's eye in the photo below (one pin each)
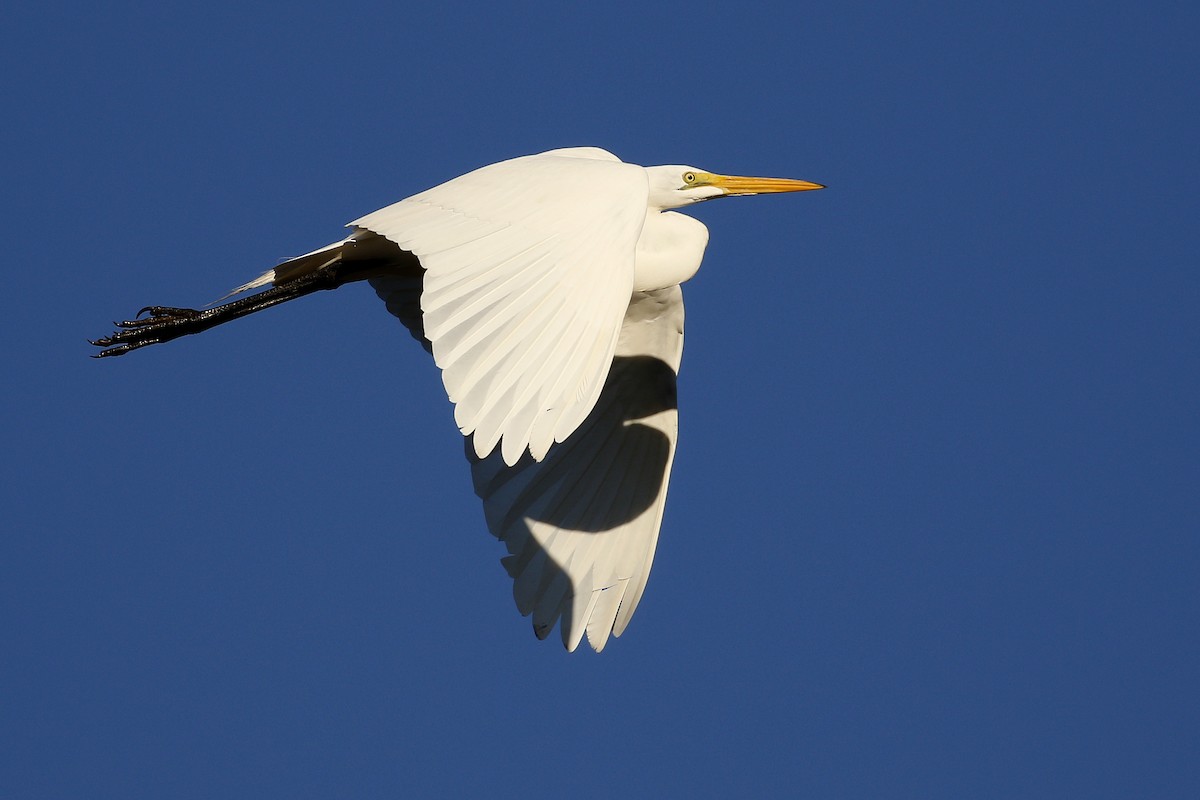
(689, 178)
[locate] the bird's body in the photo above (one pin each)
(546, 288)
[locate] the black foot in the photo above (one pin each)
(163, 324)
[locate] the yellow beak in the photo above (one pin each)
(738, 184)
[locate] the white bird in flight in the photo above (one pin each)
(547, 289)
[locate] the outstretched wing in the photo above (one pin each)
(529, 268)
(581, 525)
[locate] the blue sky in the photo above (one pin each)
(932, 525)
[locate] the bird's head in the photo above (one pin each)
(677, 185)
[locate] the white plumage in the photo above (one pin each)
(546, 288)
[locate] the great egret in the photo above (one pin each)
(547, 289)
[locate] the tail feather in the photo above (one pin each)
(266, 279)
(293, 268)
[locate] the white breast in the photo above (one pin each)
(669, 251)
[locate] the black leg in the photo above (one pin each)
(164, 323)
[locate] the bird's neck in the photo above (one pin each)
(669, 250)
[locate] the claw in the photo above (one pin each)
(143, 330)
